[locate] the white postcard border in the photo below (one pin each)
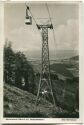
(81, 78)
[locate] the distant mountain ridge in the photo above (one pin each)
(58, 54)
(67, 68)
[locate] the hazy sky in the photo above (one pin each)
(24, 37)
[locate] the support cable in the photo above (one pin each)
(46, 58)
(48, 13)
(31, 13)
(51, 23)
(33, 18)
(54, 42)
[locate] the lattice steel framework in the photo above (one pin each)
(45, 86)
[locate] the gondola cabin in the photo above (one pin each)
(28, 19)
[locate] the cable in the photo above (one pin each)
(36, 22)
(32, 17)
(49, 13)
(50, 20)
(51, 23)
(31, 13)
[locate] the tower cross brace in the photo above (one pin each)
(45, 86)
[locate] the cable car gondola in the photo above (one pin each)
(28, 20)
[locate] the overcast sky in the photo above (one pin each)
(23, 37)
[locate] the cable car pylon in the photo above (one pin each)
(45, 85)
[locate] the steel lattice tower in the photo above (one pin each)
(45, 86)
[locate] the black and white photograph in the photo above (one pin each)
(41, 60)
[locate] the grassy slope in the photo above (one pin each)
(22, 103)
(19, 103)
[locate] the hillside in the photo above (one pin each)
(19, 103)
(68, 67)
(61, 69)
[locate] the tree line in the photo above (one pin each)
(17, 70)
